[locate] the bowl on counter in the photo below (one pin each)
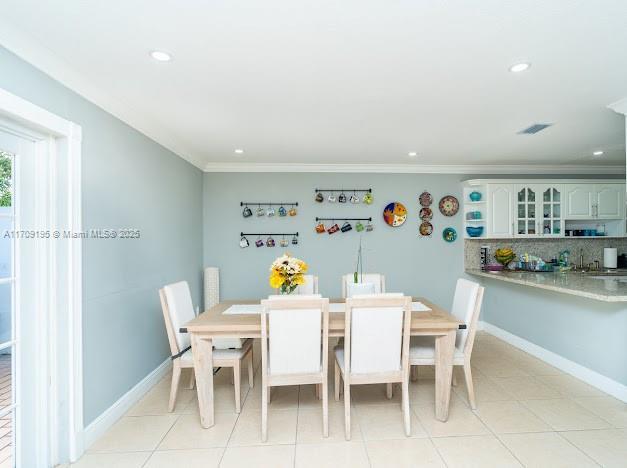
(474, 231)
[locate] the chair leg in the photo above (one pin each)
(251, 370)
(192, 379)
(317, 391)
(264, 412)
(174, 387)
(325, 406)
(469, 386)
(405, 403)
(414, 373)
(237, 387)
(388, 391)
(347, 410)
(454, 378)
(337, 382)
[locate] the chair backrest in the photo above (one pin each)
(176, 302)
(294, 335)
(376, 336)
(310, 286)
(466, 308)
(350, 288)
(212, 297)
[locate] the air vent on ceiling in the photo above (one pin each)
(535, 128)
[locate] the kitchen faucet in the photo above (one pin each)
(581, 259)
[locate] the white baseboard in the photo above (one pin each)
(103, 422)
(603, 383)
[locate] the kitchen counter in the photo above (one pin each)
(609, 288)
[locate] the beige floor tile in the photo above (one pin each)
(112, 460)
(307, 398)
(224, 398)
(374, 395)
(405, 453)
(282, 398)
(526, 388)
(486, 389)
(565, 415)
(546, 450)
(423, 394)
(474, 451)
(270, 456)
(461, 422)
(510, 417)
(187, 433)
(310, 426)
(199, 458)
(135, 433)
(570, 386)
(607, 447)
(155, 402)
(281, 428)
(499, 367)
(385, 422)
(534, 366)
(612, 410)
(337, 454)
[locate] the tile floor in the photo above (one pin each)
(6, 422)
(529, 414)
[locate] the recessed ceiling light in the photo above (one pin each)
(597, 153)
(519, 67)
(160, 56)
(411, 154)
(239, 151)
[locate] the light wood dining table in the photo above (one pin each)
(213, 323)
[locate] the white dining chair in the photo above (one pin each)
(375, 349)
(212, 298)
(367, 283)
(466, 308)
(310, 286)
(176, 303)
(294, 348)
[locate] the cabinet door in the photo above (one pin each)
(500, 203)
(609, 201)
(550, 208)
(579, 201)
(525, 210)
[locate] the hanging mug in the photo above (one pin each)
(295, 240)
(319, 197)
(346, 227)
(320, 228)
(359, 227)
(333, 229)
(369, 227)
(269, 242)
(367, 199)
(283, 242)
(261, 211)
(282, 211)
(259, 243)
(342, 198)
(292, 211)
(243, 242)
(270, 212)
(247, 213)
(332, 198)
(354, 199)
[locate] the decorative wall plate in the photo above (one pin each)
(425, 214)
(449, 234)
(426, 229)
(395, 214)
(425, 199)
(449, 205)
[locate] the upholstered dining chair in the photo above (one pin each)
(310, 286)
(294, 348)
(375, 349)
(176, 303)
(368, 283)
(466, 307)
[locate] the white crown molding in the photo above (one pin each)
(414, 168)
(42, 58)
(619, 107)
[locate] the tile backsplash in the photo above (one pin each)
(544, 248)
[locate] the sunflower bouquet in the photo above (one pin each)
(287, 273)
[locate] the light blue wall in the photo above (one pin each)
(413, 265)
(588, 332)
(129, 181)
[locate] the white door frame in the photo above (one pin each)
(60, 139)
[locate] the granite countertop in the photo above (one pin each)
(611, 288)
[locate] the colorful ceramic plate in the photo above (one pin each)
(395, 214)
(449, 234)
(426, 229)
(449, 206)
(425, 199)
(425, 214)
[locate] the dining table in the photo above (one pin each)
(430, 320)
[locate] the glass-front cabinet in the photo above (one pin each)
(538, 210)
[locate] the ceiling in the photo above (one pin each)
(350, 83)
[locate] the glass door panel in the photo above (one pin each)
(551, 211)
(526, 211)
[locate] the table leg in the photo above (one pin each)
(444, 349)
(202, 348)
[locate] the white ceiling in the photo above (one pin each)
(345, 82)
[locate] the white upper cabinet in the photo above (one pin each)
(538, 210)
(500, 216)
(595, 201)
